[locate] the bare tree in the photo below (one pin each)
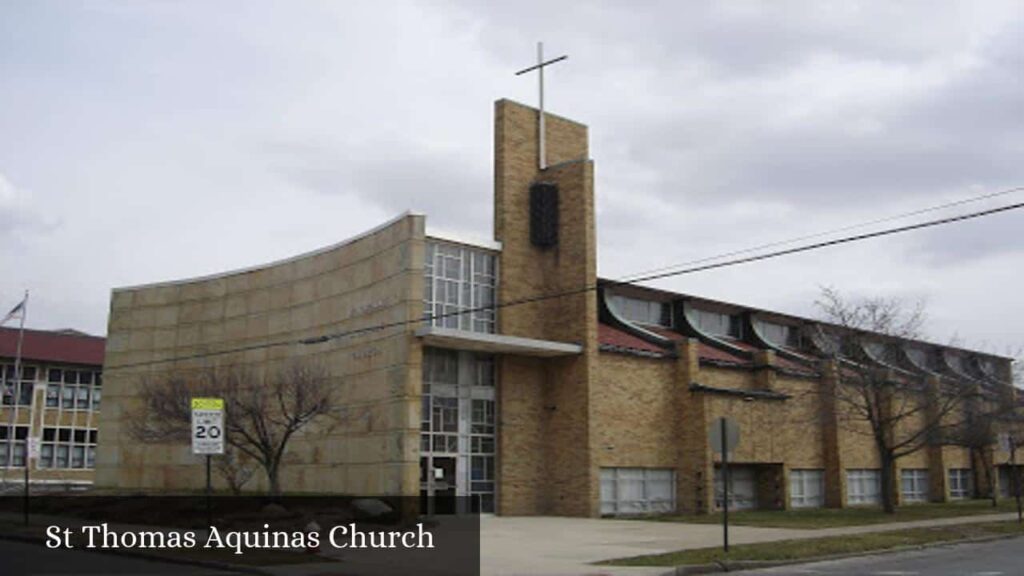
(236, 469)
(261, 414)
(900, 410)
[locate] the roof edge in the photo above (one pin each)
(287, 260)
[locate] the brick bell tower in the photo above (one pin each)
(544, 219)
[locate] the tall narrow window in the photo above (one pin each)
(458, 421)
(960, 484)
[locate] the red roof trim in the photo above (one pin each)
(47, 346)
(610, 337)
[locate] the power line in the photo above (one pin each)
(827, 243)
(776, 243)
(589, 288)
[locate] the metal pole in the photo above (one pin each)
(541, 155)
(15, 398)
(209, 489)
(725, 486)
(1016, 478)
(26, 480)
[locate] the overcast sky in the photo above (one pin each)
(149, 141)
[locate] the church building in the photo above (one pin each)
(507, 371)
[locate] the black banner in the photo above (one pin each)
(141, 534)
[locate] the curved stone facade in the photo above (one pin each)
(371, 280)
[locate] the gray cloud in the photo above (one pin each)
(170, 140)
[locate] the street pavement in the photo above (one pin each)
(559, 546)
(996, 558)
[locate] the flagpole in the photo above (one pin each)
(18, 379)
(20, 309)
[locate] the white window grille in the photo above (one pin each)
(806, 488)
(914, 485)
(863, 486)
(74, 389)
(742, 488)
(68, 448)
(960, 483)
(460, 287)
(632, 491)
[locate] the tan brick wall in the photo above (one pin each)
(634, 400)
(374, 279)
(570, 481)
(695, 465)
(521, 440)
(630, 400)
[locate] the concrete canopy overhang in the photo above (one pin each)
(494, 343)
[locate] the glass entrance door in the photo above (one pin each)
(457, 433)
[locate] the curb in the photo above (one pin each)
(740, 565)
(222, 566)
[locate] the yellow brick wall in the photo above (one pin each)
(562, 385)
(634, 404)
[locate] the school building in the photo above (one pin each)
(54, 403)
(597, 401)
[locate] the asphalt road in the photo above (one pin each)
(997, 558)
(22, 559)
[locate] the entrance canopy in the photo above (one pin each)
(494, 343)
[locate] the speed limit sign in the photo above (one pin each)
(207, 426)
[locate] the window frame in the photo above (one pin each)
(71, 441)
(458, 278)
(920, 486)
(641, 310)
(727, 325)
(961, 483)
(614, 479)
(804, 478)
(856, 477)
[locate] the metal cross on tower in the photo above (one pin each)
(539, 67)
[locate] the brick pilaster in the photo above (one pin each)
(695, 467)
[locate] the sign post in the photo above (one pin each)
(208, 437)
(1008, 443)
(724, 435)
(31, 453)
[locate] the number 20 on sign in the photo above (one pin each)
(207, 426)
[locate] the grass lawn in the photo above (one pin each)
(831, 517)
(815, 547)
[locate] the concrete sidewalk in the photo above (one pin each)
(555, 546)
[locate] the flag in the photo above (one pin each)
(15, 312)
